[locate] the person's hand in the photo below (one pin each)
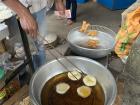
(60, 7)
(27, 21)
(29, 24)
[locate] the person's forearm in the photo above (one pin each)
(59, 5)
(58, 1)
(17, 7)
(27, 21)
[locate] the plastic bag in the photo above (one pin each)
(4, 60)
(19, 50)
(130, 9)
(128, 34)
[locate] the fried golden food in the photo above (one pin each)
(84, 91)
(62, 88)
(74, 75)
(84, 27)
(92, 33)
(93, 43)
(89, 80)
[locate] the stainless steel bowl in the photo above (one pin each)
(106, 38)
(88, 66)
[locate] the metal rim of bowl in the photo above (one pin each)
(84, 48)
(34, 102)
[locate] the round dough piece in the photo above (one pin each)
(89, 80)
(84, 91)
(74, 75)
(62, 88)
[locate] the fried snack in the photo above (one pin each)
(89, 80)
(92, 33)
(62, 88)
(74, 75)
(93, 43)
(84, 91)
(84, 27)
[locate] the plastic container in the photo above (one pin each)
(82, 1)
(116, 4)
(1, 73)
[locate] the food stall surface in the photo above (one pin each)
(95, 14)
(105, 17)
(120, 83)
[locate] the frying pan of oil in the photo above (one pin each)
(43, 83)
(49, 95)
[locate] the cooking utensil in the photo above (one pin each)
(78, 42)
(51, 46)
(61, 63)
(88, 66)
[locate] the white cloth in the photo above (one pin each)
(37, 5)
(4, 32)
(5, 12)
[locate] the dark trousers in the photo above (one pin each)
(74, 8)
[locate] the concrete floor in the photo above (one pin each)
(96, 15)
(92, 12)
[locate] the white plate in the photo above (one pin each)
(50, 38)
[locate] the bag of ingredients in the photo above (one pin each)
(129, 10)
(127, 34)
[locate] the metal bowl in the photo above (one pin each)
(49, 70)
(78, 41)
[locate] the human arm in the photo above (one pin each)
(60, 6)
(27, 21)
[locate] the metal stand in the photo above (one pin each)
(28, 60)
(26, 48)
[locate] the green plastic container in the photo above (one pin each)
(1, 73)
(3, 91)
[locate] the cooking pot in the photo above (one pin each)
(105, 36)
(51, 69)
